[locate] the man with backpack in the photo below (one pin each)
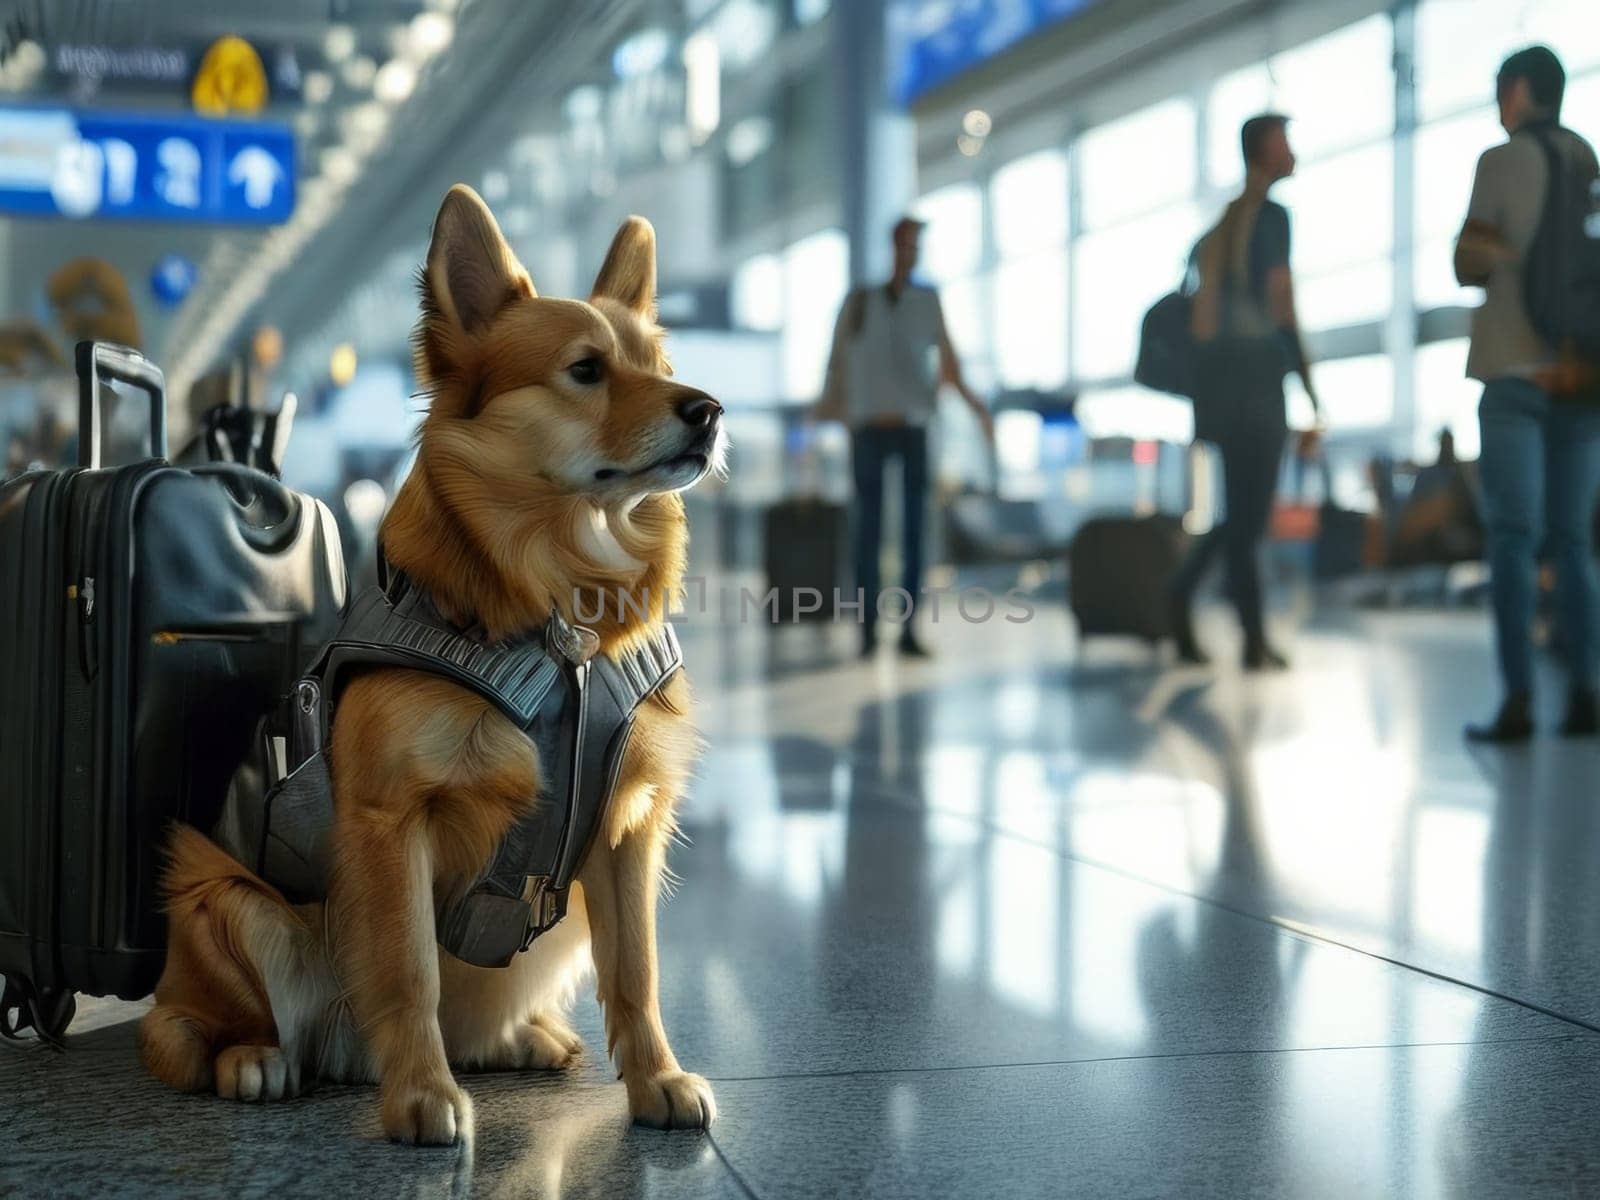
(1245, 337)
(1524, 243)
(891, 352)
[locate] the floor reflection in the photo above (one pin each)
(1025, 921)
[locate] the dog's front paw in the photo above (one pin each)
(673, 1100)
(426, 1113)
(255, 1073)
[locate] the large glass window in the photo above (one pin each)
(1030, 321)
(1137, 163)
(952, 243)
(1118, 273)
(1028, 199)
(1338, 89)
(1357, 393)
(756, 295)
(1341, 209)
(1446, 154)
(1234, 99)
(816, 275)
(1445, 398)
(1043, 303)
(1461, 44)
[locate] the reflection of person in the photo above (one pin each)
(891, 352)
(1246, 335)
(1540, 461)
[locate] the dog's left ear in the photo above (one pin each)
(628, 275)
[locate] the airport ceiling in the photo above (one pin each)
(372, 164)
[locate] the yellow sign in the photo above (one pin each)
(231, 79)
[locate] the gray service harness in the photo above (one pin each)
(576, 706)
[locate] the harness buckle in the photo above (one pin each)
(575, 643)
(546, 906)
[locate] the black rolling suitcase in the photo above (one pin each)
(806, 550)
(1120, 570)
(149, 615)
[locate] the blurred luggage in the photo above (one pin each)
(806, 545)
(1343, 542)
(1120, 570)
(982, 528)
(149, 615)
(237, 433)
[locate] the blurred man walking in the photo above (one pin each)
(891, 352)
(1540, 462)
(1246, 337)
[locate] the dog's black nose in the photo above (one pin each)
(699, 410)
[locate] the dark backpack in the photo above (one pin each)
(1561, 272)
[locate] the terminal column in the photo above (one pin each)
(876, 140)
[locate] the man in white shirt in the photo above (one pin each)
(891, 352)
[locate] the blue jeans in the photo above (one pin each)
(1540, 468)
(871, 447)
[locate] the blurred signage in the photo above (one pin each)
(144, 64)
(936, 40)
(173, 278)
(57, 162)
(231, 79)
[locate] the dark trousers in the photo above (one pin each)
(1540, 470)
(1239, 408)
(871, 447)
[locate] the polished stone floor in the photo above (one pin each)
(1031, 919)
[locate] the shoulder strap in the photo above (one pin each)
(409, 632)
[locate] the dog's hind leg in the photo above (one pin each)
(231, 937)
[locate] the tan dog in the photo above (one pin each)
(546, 477)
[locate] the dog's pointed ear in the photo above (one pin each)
(472, 272)
(628, 275)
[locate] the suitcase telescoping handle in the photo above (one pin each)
(107, 360)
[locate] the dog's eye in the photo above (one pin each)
(587, 371)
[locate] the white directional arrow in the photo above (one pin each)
(259, 172)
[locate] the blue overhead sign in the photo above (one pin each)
(936, 40)
(58, 162)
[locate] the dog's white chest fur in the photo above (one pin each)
(600, 544)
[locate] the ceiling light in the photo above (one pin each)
(428, 34)
(641, 54)
(583, 104)
(748, 140)
(977, 123)
(702, 92)
(359, 72)
(342, 364)
(316, 87)
(339, 43)
(675, 143)
(340, 166)
(969, 145)
(364, 126)
(394, 81)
